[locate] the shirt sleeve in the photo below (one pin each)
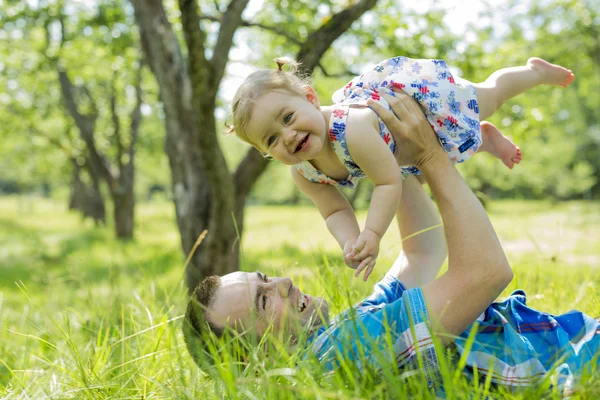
(365, 335)
(387, 290)
(408, 320)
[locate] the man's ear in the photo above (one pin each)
(312, 96)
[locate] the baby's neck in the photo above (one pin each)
(326, 154)
(327, 160)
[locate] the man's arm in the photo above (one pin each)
(424, 253)
(477, 267)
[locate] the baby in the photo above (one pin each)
(328, 146)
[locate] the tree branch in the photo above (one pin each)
(244, 23)
(54, 141)
(340, 75)
(63, 29)
(163, 54)
(230, 22)
(248, 171)
(85, 124)
(203, 101)
(217, 6)
(320, 40)
(136, 114)
(199, 67)
(115, 121)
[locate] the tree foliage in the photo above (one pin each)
(212, 45)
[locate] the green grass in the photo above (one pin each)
(85, 316)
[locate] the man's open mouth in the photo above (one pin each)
(303, 303)
(301, 144)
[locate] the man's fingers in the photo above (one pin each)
(408, 104)
(363, 265)
(390, 119)
(377, 107)
(400, 104)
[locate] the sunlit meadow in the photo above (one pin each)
(85, 316)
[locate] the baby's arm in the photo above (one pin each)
(333, 206)
(374, 157)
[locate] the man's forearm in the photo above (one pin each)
(477, 266)
(343, 226)
(472, 242)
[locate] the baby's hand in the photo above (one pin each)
(365, 250)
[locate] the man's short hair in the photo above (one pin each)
(197, 327)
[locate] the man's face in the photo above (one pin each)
(256, 301)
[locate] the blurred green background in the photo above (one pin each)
(557, 129)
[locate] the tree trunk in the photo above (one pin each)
(77, 187)
(124, 208)
(120, 180)
(191, 192)
(87, 199)
(96, 208)
(123, 198)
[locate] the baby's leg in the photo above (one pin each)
(507, 83)
(498, 145)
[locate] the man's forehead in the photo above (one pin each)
(234, 297)
(238, 286)
(238, 277)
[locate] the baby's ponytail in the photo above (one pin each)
(293, 64)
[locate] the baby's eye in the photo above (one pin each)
(287, 118)
(271, 140)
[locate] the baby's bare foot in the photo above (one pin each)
(551, 74)
(498, 145)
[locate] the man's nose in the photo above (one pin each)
(289, 136)
(283, 287)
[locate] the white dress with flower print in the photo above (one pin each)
(449, 103)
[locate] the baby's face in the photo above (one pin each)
(289, 127)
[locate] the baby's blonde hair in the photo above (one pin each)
(259, 83)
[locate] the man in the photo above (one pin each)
(396, 322)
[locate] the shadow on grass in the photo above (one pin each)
(78, 257)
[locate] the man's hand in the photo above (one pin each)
(416, 141)
(365, 251)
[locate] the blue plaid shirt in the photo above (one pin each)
(513, 343)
